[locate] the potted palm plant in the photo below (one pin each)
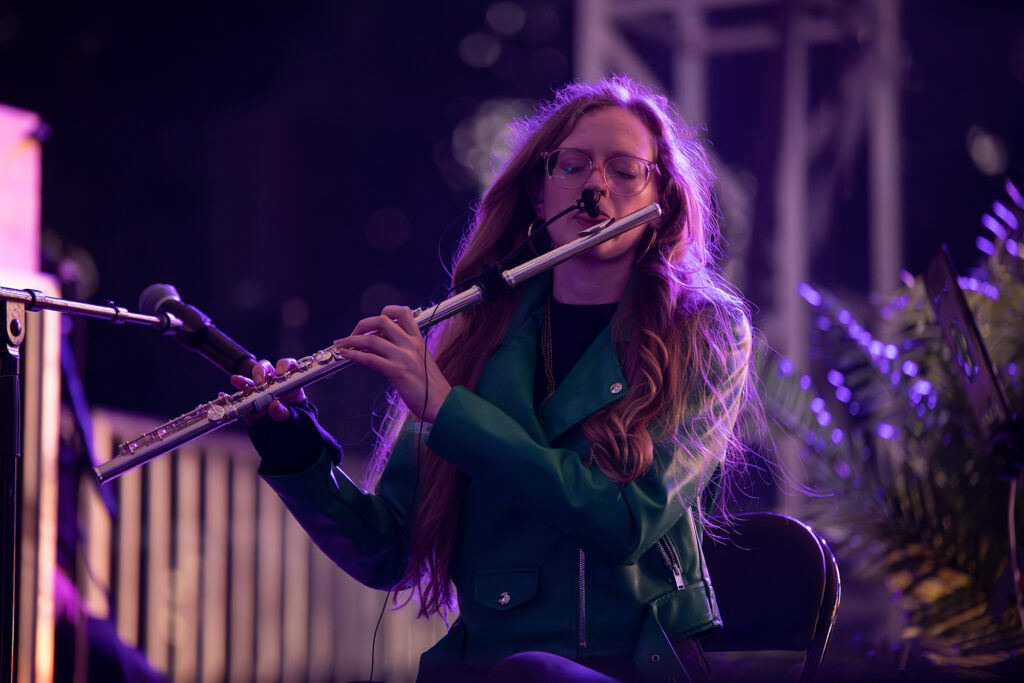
(916, 498)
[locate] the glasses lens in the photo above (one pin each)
(568, 168)
(627, 175)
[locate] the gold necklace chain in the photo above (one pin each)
(546, 351)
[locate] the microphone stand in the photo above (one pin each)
(10, 451)
(15, 302)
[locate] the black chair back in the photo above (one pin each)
(777, 586)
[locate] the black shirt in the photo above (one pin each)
(573, 328)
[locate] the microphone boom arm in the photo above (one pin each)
(324, 363)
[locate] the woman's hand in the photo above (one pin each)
(262, 372)
(391, 344)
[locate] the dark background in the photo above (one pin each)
(289, 167)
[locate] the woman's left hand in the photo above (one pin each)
(391, 344)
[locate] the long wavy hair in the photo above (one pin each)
(682, 333)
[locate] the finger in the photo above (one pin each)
(378, 324)
(366, 326)
(403, 316)
(262, 371)
(285, 365)
(240, 382)
(372, 343)
(370, 360)
(296, 396)
(279, 412)
(391, 331)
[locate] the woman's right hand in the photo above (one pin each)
(262, 372)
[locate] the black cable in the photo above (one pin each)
(490, 280)
(373, 645)
(412, 498)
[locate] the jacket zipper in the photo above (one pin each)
(583, 600)
(668, 552)
(582, 644)
(672, 560)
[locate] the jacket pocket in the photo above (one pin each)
(504, 589)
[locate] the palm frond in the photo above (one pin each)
(891, 435)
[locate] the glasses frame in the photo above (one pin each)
(651, 166)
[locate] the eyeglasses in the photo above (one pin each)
(625, 175)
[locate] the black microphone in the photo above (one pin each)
(588, 202)
(197, 332)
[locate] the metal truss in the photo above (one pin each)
(671, 44)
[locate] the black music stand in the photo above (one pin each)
(985, 395)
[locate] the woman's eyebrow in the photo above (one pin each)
(616, 152)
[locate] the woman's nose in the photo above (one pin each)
(597, 181)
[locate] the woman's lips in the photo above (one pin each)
(586, 221)
(585, 224)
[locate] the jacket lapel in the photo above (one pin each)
(507, 380)
(594, 382)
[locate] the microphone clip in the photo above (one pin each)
(588, 202)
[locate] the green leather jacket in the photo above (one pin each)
(551, 555)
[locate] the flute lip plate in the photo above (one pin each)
(587, 232)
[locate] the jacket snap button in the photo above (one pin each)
(655, 658)
(615, 388)
(504, 598)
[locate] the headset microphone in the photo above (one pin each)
(588, 202)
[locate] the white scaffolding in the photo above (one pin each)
(689, 34)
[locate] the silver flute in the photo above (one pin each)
(225, 409)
